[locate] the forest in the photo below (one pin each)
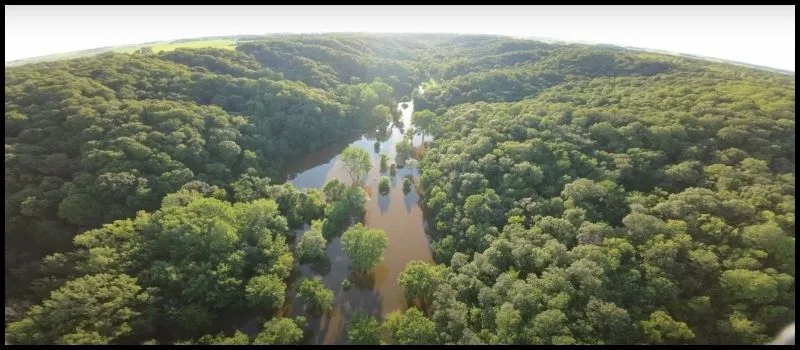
(574, 194)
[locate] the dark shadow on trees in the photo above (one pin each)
(362, 280)
(321, 266)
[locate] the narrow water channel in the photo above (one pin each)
(397, 213)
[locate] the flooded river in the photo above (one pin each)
(396, 213)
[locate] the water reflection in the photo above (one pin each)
(383, 202)
(377, 292)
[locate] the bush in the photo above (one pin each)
(383, 185)
(384, 163)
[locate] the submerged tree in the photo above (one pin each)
(383, 185)
(364, 246)
(357, 162)
(423, 122)
(313, 293)
(312, 244)
(384, 164)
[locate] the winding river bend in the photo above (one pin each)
(397, 213)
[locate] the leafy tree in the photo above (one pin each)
(281, 331)
(403, 150)
(357, 162)
(238, 338)
(383, 185)
(363, 329)
(266, 291)
(384, 164)
(313, 293)
(661, 328)
(93, 309)
(423, 121)
(409, 328)
(419, 280)
(312, 244)
(364, 246)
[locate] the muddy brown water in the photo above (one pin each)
(397, 213)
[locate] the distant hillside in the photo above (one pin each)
(230, 41)
(169, 45)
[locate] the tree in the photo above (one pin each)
(357, 162)
(364, 246)
(423, 121)
(384, 164)
(406, 185)
(363, 329)
(419, 280)
(93, 309)
(312, 244)
(409, 328)
(412, 163)
(403, 150)
(249, 188)
(379, 114)
(281, 331)
(661, 328)
(383, 185)
(334, 190)
(238, 338)
(754, 286)
(266, 291)
(313, 293)
(611, 321)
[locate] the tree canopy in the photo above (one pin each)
(364, 246)
(573, 194)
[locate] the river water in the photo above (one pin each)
(397, 213)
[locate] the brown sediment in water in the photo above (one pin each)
(398, 214)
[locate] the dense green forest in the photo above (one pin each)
(576, 194)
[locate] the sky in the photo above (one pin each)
(762, 35)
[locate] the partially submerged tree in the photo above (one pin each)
(364, 246)
(357, 162)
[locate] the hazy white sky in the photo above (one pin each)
(762, 35)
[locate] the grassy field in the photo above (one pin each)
(169, 46)
(157, 47)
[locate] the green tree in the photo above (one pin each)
(93, 309)
(383, 185)
(419, 280)
(363, 329)
(661, 328)
(238, 338)
(423, 121)
(281, 331)
(364, 246)
(312, 244)
(409, 328)
(384, 164)
(313, 293)
(266, 291)
(357, 162)
(403, 150)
